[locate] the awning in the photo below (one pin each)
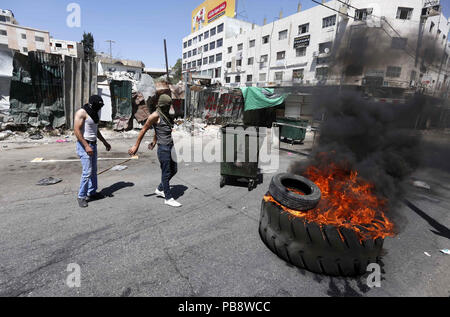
(261, 98)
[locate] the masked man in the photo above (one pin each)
(87, 133)
(161, 121)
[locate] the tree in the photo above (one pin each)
(177, 72)
(88, 44)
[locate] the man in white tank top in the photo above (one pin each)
(87, 133)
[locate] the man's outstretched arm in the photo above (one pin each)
(150, 122)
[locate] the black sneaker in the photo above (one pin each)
(82, 203)
(94, 197)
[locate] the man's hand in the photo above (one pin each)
(133, 150)
(151, 146)
(89, 150)
(107, 146)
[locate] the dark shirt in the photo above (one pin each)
(163, 133)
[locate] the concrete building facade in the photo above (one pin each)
(19, 38)
(297, 50)
(66, 48)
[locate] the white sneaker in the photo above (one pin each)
(160, 193)
(173, 203)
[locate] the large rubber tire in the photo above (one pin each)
(280, 193)
(319, 250)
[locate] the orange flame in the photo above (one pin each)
(348, 201)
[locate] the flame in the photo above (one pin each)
(348, 201)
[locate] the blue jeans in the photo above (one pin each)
(89, 183)
(169, 169)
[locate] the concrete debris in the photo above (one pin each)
(6, 134)
(36, 136)
(423, 185)
(119, 168)
(446, 251)
(49, 181)
(427, 254)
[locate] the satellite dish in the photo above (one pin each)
(327, 50)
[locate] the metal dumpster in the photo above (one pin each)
(240, 155)
(293, 130)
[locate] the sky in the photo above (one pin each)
(139, 27)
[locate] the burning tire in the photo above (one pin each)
(323, 249)
(307, 200)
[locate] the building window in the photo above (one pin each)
(189, 65)
(212, 32)
(218, 72)
(206, 35)
(281, 56)
(282, 35)
(200, 38)
(184, 44)
(24, 36)
(184, 55)
(220, 43)
(404, 13)
(325, 48)
(194, 52)
(190, 43)
(394, 72)
(238, 79)
(25, 50)
(189, 53)
(362, 14)
(230, 50)
(251, 60)
(205, 48)
(240, 47)
(321, 73)
(184, 66)
(239, 62)
(200, 49)
(194, 41)
(220, 28)
(205, 61)
(70, 46)
(39, 39)
(211, 59)
(265, 39)
(329, 21)
(399, 43)
(298, 74)
(199, 62)
(212, 45)
(264, 60)
(58, 45)
(262, 77)
(300, 52)
(229, 65)
(252, 43)
(219, 57)
(278, 76)
(228, 80)
(194, 63)
(304, 28)
(249, 78)
(3, 32)
(432, 26)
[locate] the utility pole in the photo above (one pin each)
(110, 48)
(167, 61)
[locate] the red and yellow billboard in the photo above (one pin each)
(210, 11)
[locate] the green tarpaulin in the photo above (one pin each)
(261, 98)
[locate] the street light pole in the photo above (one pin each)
(110, 48)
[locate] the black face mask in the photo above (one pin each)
(93, 108)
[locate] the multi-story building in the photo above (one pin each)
(20, 38)
(351, 42)
(66, 48)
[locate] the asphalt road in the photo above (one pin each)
(131, 244)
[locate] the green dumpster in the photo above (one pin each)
(292, 129)
(240, 155)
